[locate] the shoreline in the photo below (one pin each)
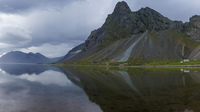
(140, 66)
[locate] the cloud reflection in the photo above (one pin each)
(48, 91)
(47, 78)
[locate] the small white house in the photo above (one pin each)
(186, 60)
(186, 71)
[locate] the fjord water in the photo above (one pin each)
(43, 88)
(40, 88)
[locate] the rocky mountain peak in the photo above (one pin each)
(152, 19)
(123, 23)
(195, 18)
(121, 8)
(148, 11)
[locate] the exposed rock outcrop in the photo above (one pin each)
(193, 28)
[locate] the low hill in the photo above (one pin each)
(20, 57)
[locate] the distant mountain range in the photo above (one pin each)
(144, 35)
(21, 57)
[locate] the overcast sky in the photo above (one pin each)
(53, 27)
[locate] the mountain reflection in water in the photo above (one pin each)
(139, 89)
(40, 88)
(36, 88)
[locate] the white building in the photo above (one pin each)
(186, 60)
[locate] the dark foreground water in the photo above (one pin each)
(43, 88)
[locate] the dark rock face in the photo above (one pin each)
(152, 19)
(195, 18)
(177, 25)
(116, 22)
(121, 15)
(193, 28)
(121, 9)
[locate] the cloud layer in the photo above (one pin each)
(63, 24)
(21, 6)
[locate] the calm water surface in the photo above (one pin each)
(43, 88)
(40, 88)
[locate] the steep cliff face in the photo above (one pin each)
(193, 28)
(153, 20)
(116, 26)
(145, 34)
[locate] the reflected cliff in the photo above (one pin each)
(139, 89)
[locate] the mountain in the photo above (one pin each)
(144, 35)
(73, 52)
(20, 57)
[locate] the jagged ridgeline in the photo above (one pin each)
(141, 35)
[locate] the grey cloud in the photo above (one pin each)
(173, 9)
(19, 6)
(11, 38)
(74, 23)
(14, 36)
